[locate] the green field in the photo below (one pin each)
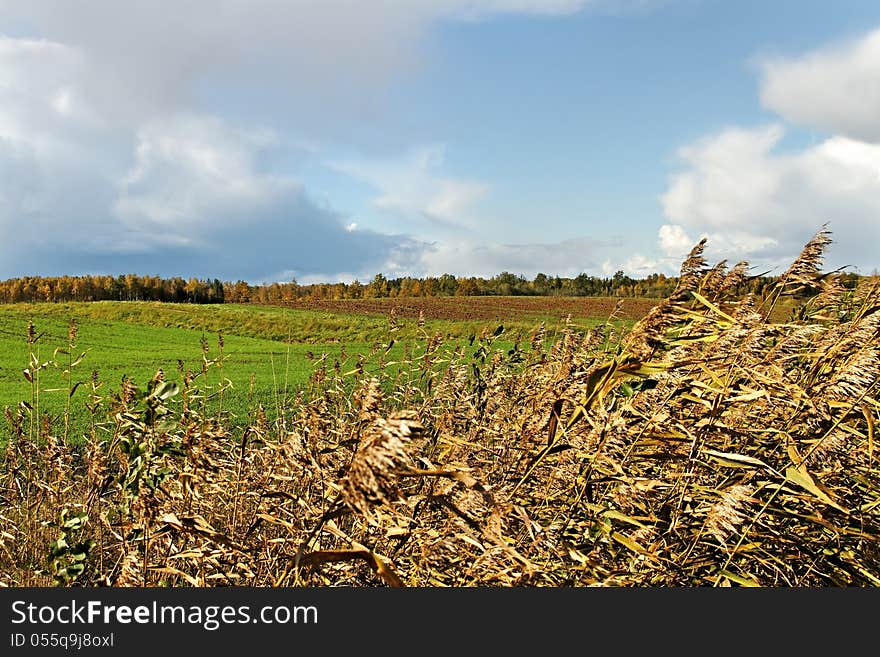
(256, 368)
(268, 353)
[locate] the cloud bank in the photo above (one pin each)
(755, 200)
(116, 154)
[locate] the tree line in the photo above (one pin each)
(133, 287)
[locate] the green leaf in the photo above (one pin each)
(630, 544)
(732, 459)
(75, 522)
(75, 569)
(711, 306)
(803, 479)
(739, 579)
(165, 390)
(59, 547)
(611, 514)
(649, 368)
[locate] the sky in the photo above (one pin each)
(331, 140)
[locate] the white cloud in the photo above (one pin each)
(147, 55)
(755, 201)
(38, 93)
(639, 266)
(414, 187)
(834, 89)
(188, 170)
(758, 204)
(486, 258)
(674, 241)
(478, 9)
(729, 181)
(471, 257)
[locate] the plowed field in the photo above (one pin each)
(485, 308)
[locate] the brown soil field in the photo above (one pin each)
(484, 308)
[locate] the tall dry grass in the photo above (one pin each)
(708, 446)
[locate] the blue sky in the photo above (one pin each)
(334, 140)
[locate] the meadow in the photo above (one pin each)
(250, 370)
(267, 354)
(707, 444)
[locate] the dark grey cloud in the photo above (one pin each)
(299, 238)
(190, 202)
(116, 157)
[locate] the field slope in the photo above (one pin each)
(268, 352)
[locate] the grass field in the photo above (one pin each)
(255, 367)
(268, 353)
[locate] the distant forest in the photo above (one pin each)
(132, 287)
